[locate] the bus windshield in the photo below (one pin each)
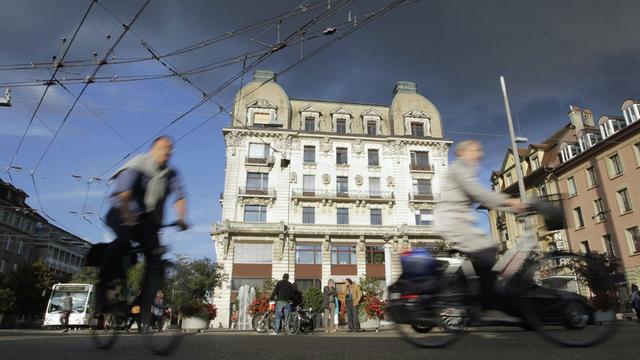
(79, 301)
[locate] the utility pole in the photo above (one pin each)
(514, 142)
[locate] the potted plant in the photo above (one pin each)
(601, 273)
(197, 316)
(373, 307)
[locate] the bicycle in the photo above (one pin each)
(300, 320)
(162, 336)
(436, 310)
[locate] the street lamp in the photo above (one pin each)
(6, 99)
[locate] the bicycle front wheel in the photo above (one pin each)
(554, 290)
(105, 333)
(292, 323)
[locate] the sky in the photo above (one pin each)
(552, 53)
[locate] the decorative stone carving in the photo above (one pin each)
(234, 140)
(286, 142)
(359, 180)
(390, 181)
(358, 148)
(326, 179)
(442, 149)
(361, 243)
(327, 243)
(396, 147)
(294, 178)
(326, 147)
(254, 201)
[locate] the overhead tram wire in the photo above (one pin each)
(125, 29)
(203, 101)
(53, 76)
(301, 9)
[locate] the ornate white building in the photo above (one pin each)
(324, 189)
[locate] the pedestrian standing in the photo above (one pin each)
(352, 298)
(283, 294)
(329, 296)
(67, 307)
(157, 311)
(635, 301)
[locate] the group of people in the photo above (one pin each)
(287, 298)
(332, 305)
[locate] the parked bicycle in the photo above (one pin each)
(162, 336)
(300, 320)
(437, 309)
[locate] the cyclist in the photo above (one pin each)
(141, 187)
(454, 216)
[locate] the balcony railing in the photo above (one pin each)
(421, 167)
(268, 160)
(352, 194)
(257, 192)
(422, 197)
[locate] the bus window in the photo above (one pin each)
(79, 301)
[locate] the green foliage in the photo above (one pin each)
(88, 275)
(193, 280)
(313, 299)
(268, 285)
(31, 284)
(135, 276)
(601, 273)
(7, 300)
(370, 286)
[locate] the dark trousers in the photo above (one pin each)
(483, 261)
(637, 314)
(145, 233)
(353, 319)
(64, 319)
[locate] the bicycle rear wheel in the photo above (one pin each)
(553, 289)
(105, 333)
(292, 323)
(261, 322)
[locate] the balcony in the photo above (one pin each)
(352, 230)
(248, 227)
(421, 167)
(352, 195)
(264, 161)
(268, 194)
(421, 197)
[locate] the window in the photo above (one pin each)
(376, 216)
(308, 215)
(7, 245)
(420, 160)
(577, 216)
(306, 284)
(309, 154)
(571, 185)
(375, 254)
(636, 152)
(251, 253)
(343, 216)
(623, 201)
(508, 179)
(341, 155)
(258, 152)
(373, 157)
(584, 247)
(341, 126)
(568, 152)
(598, 210)
(591, 177)
(343, 255)
(422, 187)
(309, 124)
(371, 128)
(417, 129)
(20, 245)
(424, 217)
(3, 265)
(615, 165)
(257, 183)
(608, 245)
(535, 163)
(374, 187)
(542, 190)
(342, 186)
(236, 283)
(633, 235)
(5, 215)
(255, 213)
(309, 185)
(308, 254)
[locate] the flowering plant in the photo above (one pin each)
(373, 306)
(204, 310)
(260, 305)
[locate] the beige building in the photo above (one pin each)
(593, 169)
(324, 189)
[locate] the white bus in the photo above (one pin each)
(82, 312)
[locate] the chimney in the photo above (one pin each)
(575, 115)
(263, 75)
(405, 87)
(587, 117)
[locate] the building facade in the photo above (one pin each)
(590, 169)
(324, 189)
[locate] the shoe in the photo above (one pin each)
(65, 330)
(274, 333)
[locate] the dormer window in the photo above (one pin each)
(417, 123)
(309, 124)
(372, 120)
(611, 126)
(341, 119)
(631, 114)
(372, 127)
(568, 152)
(310, 118)
(535, 163)
(262, 113)
(587, 140)
(341, 126)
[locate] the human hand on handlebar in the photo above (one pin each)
(516, 205)
(182, 224)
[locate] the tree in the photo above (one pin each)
(88, 275)
(30, 284)
(313, 299)
(7, 300)
(193, 280)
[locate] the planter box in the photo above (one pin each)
(194, 323)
